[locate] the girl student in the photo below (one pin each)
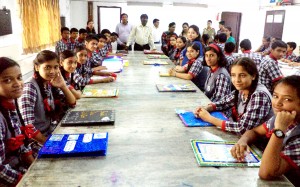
(68, 66)
(83, 73)
(15, 155)
(250, 102)
(172, 49)
(193, 36)
(193, 70)
(218, 83)
(46, 97)
(281, 155)
(180, 45)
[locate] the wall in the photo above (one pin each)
(79, 17)
(65, 10)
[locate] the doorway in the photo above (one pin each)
(274, 23)
(108, 17)
(233, 20)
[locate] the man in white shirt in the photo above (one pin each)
(156, 32)
(142, 35)
(123, 29)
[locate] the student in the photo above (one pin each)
(221, 27)
(193, 37)
(114, 38)
(180, 45)
(228, 33)
(68, 66)
(84, 72)
(265, 44)
(228, 52)
(269, 71)
(81, 38)
(185, 29)
(281, 155)
(90, 27)
(211, 32)
(64, 43)
(45, 98)
(193, 70)
(205, 40)
(102, 48)
(165, 38)
(222, 37)
(172, 49)
(73, 38)
(245, 47)
(93, 57)
(290, 56)
(250, 102)
(218, 83)
(15, 154)
(108, 46)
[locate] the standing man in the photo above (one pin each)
(123, 29)
(142, 35)
(156, 31)
(210, 31)
(221, 27)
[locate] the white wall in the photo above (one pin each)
(79, 14)
(65, 10)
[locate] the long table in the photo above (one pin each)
(148, 145)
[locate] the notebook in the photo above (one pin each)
(157, 57)
(94, 92)
(147, 62)
(88, 117)
(189, 120)
(217, 153)
(175, 88)
(113, 64)
(153, 52)
(74, 145)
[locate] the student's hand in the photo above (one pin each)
(99, 68)
(203, 114)
(108, 79)
(153, 50)
(209, 108)
(196, 111)
(126, 48)
(294, 64)
(172, 72)
(239, 151)
(284, 119)
(58, 81)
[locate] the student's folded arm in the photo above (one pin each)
(225, 103)
(258, 108)
(81, 81)
(221, 87)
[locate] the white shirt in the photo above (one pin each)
(123, 31)
(156, 33)
(142, 35)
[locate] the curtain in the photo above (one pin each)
(41, 24)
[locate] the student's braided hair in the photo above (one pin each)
(64, 55)
(249, 66)
(42, 57)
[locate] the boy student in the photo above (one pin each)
(101, 52)
(269, 71)
(81, 38)
(246, 47)
(228, 52)
(64, 43)
(141, 36)
(114, 37)
(73, 38)
(108, 46)
(221, 27)
(93, 61)
(290, 56)
(222, 38)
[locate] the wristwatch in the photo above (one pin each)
(279, 133)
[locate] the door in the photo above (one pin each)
(108, 17)
(274, 23)
(233, 20)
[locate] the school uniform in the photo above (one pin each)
(291, 142)
(290, 56)
(72, 44)
(269, 72)
(61, 46)
(11, 167)
(82, 75)
(221, 45)
(197, 71)
(80, 42)
(218, 84)
(177, 56)
(185, 59)
(172, 53)
(230, 59)
(258, 110)
(256, 57)
(94, 59)
(165, 41)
